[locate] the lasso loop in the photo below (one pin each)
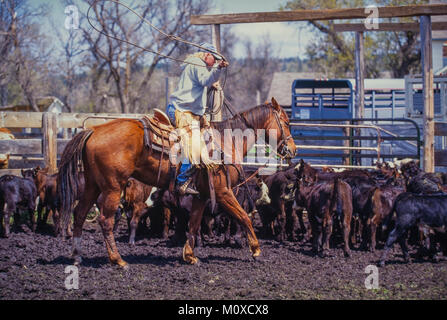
(172, 37)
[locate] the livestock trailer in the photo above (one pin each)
(319, 100)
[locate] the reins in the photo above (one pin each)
(172, 37)
(249, 178)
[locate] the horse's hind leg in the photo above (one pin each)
(194, 226)
(80, 214)
(229, 203)
(110, 202)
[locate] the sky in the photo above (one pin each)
(289, 39)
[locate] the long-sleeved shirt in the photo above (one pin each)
(191, 92)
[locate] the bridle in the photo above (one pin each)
(283, 149)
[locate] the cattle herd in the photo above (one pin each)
(362, 209)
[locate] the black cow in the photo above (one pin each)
(413, 209)
(279, 219)
(16, 193)
(418, 181)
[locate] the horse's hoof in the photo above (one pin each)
(256, 254)
(347, 254)
(123, 264)
(191, 260)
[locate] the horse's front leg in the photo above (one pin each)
(198, 205)
(229, 203)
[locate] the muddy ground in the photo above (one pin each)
(32, 266)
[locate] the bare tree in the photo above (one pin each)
(252, 76)
(70, 48)
(122, 60)
(24, 50)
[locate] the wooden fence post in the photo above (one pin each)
(49, 141)
(427, 82)
(359, 110)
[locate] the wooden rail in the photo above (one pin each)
(387, 26)
(323, 14)
(28, 153)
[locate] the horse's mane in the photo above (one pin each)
(254, 116)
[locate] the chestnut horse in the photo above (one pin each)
(107, 155)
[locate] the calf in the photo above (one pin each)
(135, 195)
(322, 199)
(418, 181)
(279, 210)
(379, 208)
(16, 193)
(46, 185)
(413, 209)
(360, 181)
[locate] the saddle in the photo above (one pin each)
(157, 130)
(160, 135)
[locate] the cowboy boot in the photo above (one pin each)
(185, 188)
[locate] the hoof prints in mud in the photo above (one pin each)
(32, 267)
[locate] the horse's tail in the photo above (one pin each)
(70, 180)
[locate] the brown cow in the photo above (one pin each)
(138, 203)
(46, 185)
(380, 206)
(321, 200)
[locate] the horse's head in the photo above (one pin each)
(280, 123)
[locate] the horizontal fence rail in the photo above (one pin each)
(43, 146)
(349, 148)
(352, 134)
(64, 120)
(44, 149)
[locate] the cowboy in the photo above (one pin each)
(188, 104)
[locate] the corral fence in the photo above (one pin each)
(357, 142)
(32, 148)
(351, 148)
